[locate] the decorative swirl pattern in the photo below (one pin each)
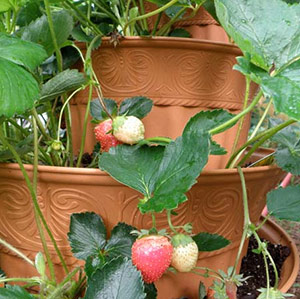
(121, 71)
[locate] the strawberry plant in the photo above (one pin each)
(35, 127)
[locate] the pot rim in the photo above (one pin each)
(93, 171)
(168, 42)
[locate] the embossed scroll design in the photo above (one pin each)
(215, 211)
(124, 70)
(170, 76)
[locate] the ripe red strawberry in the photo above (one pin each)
(152, 256)
(107, 140)
(185, 253)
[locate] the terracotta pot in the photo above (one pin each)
(202, 25)
(214, 206)
(182, 76)
(277, 235)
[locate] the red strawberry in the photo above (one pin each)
(152, 256)
(107, 140)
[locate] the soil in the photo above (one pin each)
(253, 266)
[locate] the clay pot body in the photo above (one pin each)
(214, 205)
(200, 26)
(182, 77)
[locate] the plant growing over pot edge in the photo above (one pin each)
(266, 84)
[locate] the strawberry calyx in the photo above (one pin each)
(181, 240)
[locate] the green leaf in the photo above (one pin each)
(4, 5)
(39, 30)
(63, 82)
(202, 290)
(121, 241)
(209, 5)
(272, 293)
(216, 149)
(253, 72)
(18, 89)
(207, 120)
(182, 162)
(287, 154)
(14, 292)
(284, 203)
(21, 52)
(270, 36)
(134, 166)
(210, 242)
(136, 106)
(28, 13)
(87, 234)
(92, 264)
(22, 148)
(151, 291)
(285, 90)
(118, 279)
(180, 32)
(97, 111)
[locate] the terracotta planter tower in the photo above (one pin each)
(182, 76)
(214, 206)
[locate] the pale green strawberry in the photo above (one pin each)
(185, 253)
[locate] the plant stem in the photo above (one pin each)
(39, 124)
(83, 134)
(34, 280)
(230, 122)
(60, 287)
(150, 14)
(263, 139)
(247, 222)
(232, 164)
(164, 30)
(33, 196)
(17, 252)
(156, 23)
(271, 131)
(34, 186)
(142, 7)
(241, 121)
(62, 111)
(267, 254)
(170, 222)
(153, 220)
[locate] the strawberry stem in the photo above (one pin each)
(170, 222)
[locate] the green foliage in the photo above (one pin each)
(63, 82)
(118, 279)
(4, 5)
(98, 112)
(270, 36)
(272, 294)
(210, 242)
(135, 106)
(162, 175)
(87, 235)
(287, 154)
(14, 292)
(39, 31)
(284, 203)
(89, 242)
(17, 59)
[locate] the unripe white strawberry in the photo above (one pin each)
(128, 129)
(185, 253)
